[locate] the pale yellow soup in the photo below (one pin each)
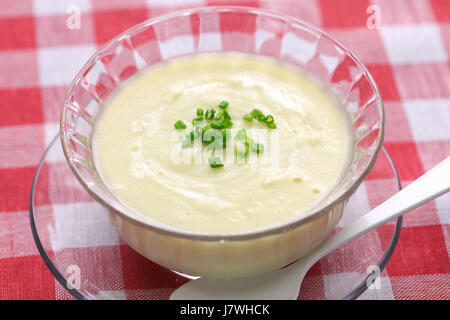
(139, 156)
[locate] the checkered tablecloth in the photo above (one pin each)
(408, 55)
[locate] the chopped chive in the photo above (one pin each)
(226, 134)
(261, 118)
(215, 162)
(197, 120)
(271, 125)
(226, 123)
(248, 117)
(199, 112)
(180, 125)
(219, 115)
(209, 115)
(223, 104)
(216, 125)
(268, 119)
(226, 115)
(258, 147)
(255, 113)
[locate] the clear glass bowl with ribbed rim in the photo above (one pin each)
(78, 244)
(223, 29)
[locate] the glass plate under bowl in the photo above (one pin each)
(74, 237)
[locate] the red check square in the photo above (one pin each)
(141, 273)
(15, 188)
(420, 251)
(441, 10)
(246, 3)
(109, 24)
(26, 278)
(17, 33)
(406, 159)
(421, 287)
(385, 80)
(99, 5)
(312, 288)
(23, 106)
(238, 31)
(344, 13)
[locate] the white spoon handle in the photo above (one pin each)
(432, 184)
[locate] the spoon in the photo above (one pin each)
(284, 284)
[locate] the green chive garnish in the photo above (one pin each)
(216, 125)
(209, 115)
(255, 113)
(222, 121)
(223, 104)
(226, 123)
(268, 119)
(180, 125)
(215, 162)
(261, 118)
(197, 121)
(271, 125)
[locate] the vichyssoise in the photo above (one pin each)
(140, 155)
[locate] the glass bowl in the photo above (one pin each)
(77, 242)
(223, 29)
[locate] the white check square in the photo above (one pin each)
(429, 119)
(413, 43)
(443, 208)
(81, 225)
(55, 154)
(298, 48)
(336, 284)
(176, 46)
(59, 65)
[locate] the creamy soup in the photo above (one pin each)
(141, 157)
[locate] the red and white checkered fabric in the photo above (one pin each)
(409, 57)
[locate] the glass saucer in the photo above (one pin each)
(74, 237)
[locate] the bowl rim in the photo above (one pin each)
(310, 215)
